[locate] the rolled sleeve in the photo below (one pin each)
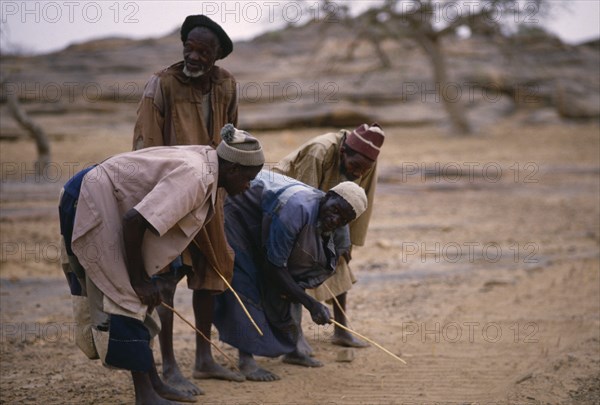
(280, 243)
(286, 225)
(175, 195)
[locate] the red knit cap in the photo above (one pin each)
(366, 140)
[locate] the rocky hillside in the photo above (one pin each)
(305, 76)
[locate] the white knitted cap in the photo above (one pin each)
(353, 194)
(240, 147)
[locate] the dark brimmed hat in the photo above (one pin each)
(200, 20)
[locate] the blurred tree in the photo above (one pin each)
(426, 22)
(14, 107)
(35, 131)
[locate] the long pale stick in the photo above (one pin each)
(237, 297)
(240, 301)
(336, 302)
(367, 339)
(170, 308)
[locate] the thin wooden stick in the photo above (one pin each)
(368, 340)
(336, 302)
(200, 333)
(240, 301)
(236, 296)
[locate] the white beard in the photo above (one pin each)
(193, 74)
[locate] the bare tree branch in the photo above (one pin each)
(36, 132)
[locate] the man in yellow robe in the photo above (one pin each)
(323, 162)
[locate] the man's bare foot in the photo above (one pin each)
(347, 340)
(303, 346)
(169, 392)
(154, 400)
(145, 390)
(175, 379)
(216, 371)
(171, 387)
(252, 371)
(301, 359)
(259, 374)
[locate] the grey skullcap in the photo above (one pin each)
(354, 195)
(240, 147)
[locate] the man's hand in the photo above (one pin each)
(148, 293)
(134, 227)
(348, 256)
(320, 314)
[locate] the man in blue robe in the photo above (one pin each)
(287, 236)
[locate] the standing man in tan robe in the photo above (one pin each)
(323, 162)
(187, 104)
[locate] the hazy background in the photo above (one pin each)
(45, 26)
(495, 227)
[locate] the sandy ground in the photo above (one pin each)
(481, 270)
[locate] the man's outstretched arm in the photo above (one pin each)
(318, 312)
(134, 227)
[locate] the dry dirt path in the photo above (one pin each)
(488, 289)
